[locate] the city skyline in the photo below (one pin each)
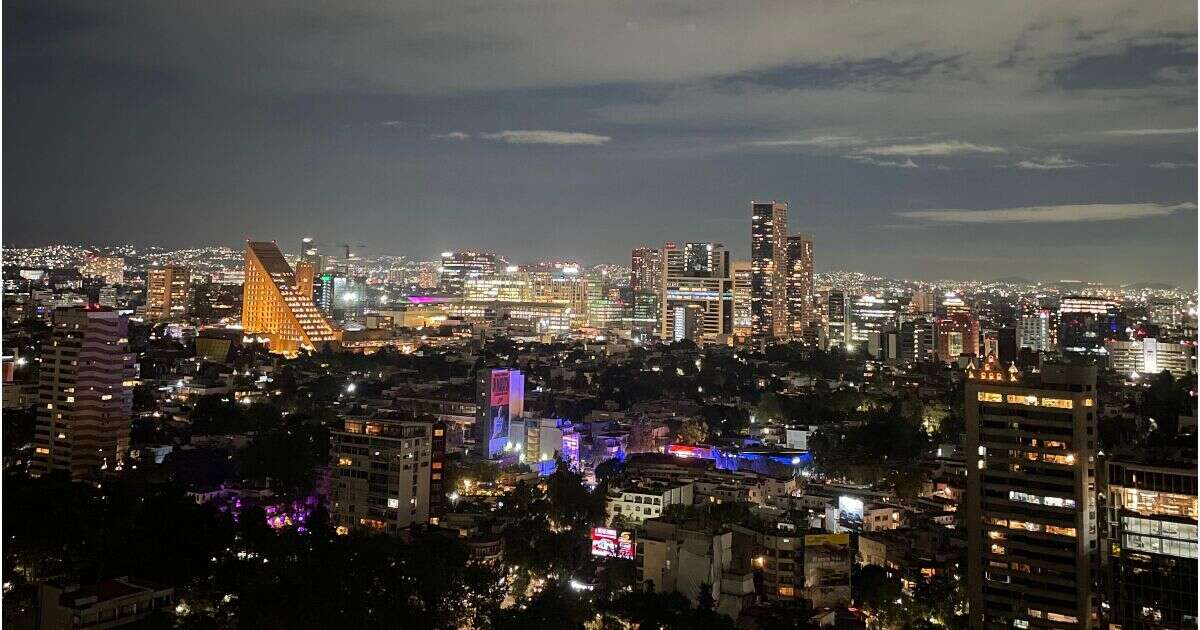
(985, 141)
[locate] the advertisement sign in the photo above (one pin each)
(851, 511)
(611, 543)
(827, 569)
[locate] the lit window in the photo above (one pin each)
(990, 397)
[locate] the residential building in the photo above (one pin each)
(85, 394)
(636, 503)
(115, 603)
(768, 260)
(1030, 505)
(387, 473)
(167, 291)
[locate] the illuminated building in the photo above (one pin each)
(546, 319)
(636, 503)
(387, 473)
(501, 398)
(768, 260)
(643, 315)
(800, 286)
(456, 267)
(167, 291)
(837, 324)
(1163, 313)
(916, 341)
(1084, 323)
(541, 440)
(507, 287)
(1033, 330)
(647, 270)
(1031, 512)
(742, 273)
(1151, 546)
(697, 301)
(272, 304)
(923, 302)
(110, 269)
(957, 331)
(870, 316)
(85, 394)
(1151, 356)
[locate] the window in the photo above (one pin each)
(990, 397)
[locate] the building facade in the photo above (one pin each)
(697, 298)
(768, 260)
(800, 287)
(388, 473)
(272, 304)
(167, 291)
(1031, 513)
(85, 394)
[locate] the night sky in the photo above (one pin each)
(964, 139)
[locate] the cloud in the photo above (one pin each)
(1173, 165)
(818, 141)
(951, 147)
(396, 124)
(546, 137)
(862, 159)
(1050, 214)
(1149, 132)
(453, 135)
(1050, 163)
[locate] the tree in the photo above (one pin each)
(692, 431)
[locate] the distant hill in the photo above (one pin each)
(1014, 280)
(1153, 286)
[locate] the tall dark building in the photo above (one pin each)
(768, 265)
(1084, 323)
(1150, 518)
(500, 395)
(1030, 506)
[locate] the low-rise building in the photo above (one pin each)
(636, 503)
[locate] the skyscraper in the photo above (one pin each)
(85, 398)
(800, 286)
(458, 266)
(273, 305)
(1031, 496)
(768, 263)
(697, 300)
(741, 273)
(646, 270)
(167, 291)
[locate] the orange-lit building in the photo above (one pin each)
(278, 305)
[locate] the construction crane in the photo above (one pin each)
(347, 246)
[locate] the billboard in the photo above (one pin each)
(827, 569)
(611, 543)
(850, 511)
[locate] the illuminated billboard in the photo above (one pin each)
(827, 569)
(611, 543)
(690, 450)
(850, 511)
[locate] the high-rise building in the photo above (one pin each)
(1033, 330)
(837, 324)
(500, 395)
(870, 316)
(741, 273)
(957, 330)
(768, 260)
(273, 306)
(1031, 496)
(110, 269)
(167, 291)
(646, 267)
(697, 300)
(387, 473)
(916, 341)
(1150, 356)
(800, 286)
(1151, 548)
(458, 266)
(923, 302)
(1084, 323)
(85, 394)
